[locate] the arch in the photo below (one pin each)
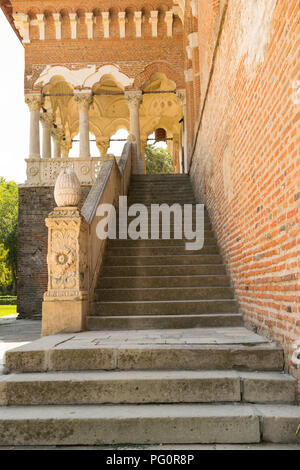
(85, 77)
(160, 67)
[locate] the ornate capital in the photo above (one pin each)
(134, 98)
(34, 101)
(84, 99)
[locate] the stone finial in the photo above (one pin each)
(67, 189)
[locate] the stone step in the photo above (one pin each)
(147, 201)
(148, 322)
(163, 281)
(164, 307)
(148, 424)
(163, 251)
(161, 193)
(162, 177)
(161, 260)
(188, 349)
(163, 293)
(161, 243)
(116, 387)
(171, 270)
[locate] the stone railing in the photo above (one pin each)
(75, 252)
(44, 171)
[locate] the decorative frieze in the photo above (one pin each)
(43, 172)
(23, 24)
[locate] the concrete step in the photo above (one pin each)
(148, 424)
(171, 270)
(163, 281)
(163, 251)
(186, 349)
(164, 307)
(161, 260)
(148, 322)
(163, 293)
(100, 387)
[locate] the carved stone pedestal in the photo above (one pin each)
(66, 301)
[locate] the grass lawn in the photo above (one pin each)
(8, 310)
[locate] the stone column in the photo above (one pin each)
(134, 98)
(46, 125)
(181, 98)
(34, 102)
(84, 99)
(56, 144)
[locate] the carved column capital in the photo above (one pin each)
(84, 99)
(34, 101)
(134, 98)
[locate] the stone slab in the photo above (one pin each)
(195, 348)
(117, 424)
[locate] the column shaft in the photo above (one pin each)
(34, 102)
(84, 100)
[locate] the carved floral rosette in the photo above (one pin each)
(67, 255)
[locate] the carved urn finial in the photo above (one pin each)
(67, 189)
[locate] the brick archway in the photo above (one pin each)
(160, 67)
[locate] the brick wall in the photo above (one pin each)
(35, 203)
(246, 163)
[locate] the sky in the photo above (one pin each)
(14, 114)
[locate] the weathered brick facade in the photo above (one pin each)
(246, 165)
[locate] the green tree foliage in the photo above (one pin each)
(8, 233)
(158, 160)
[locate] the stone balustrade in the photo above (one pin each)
(75, 252)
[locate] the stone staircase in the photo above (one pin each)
(166, 359)
(157, 283)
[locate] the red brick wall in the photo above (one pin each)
(246, 166)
